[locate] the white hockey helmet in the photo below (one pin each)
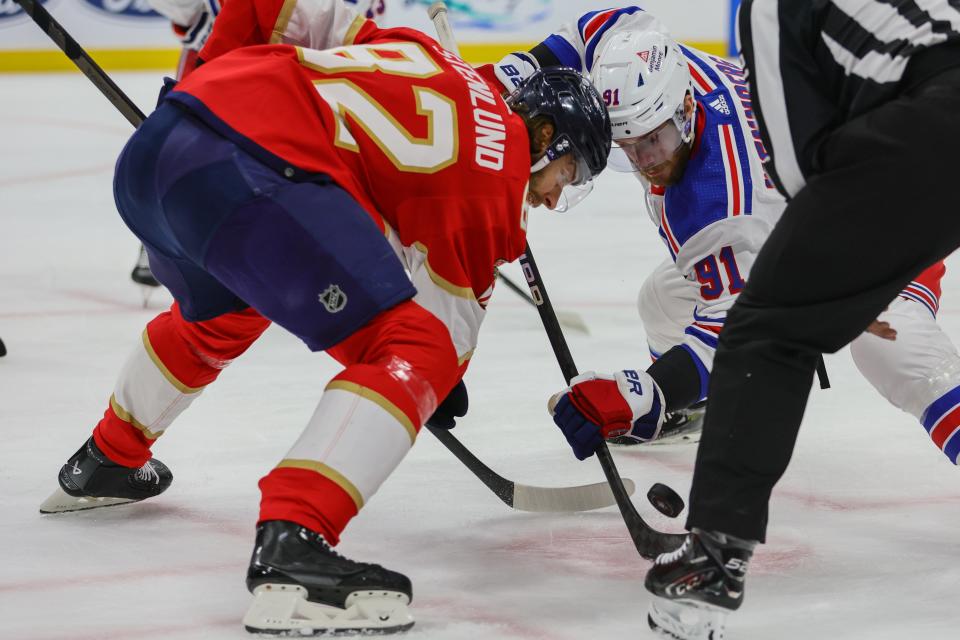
(644, 79)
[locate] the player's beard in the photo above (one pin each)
(669, 172)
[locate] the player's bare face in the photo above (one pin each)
(547, 184)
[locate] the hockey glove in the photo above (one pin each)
(192, 19)
(595, 406)
(453, 406)
(510, 72)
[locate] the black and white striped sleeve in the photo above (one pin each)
(789, 102)
(814, 64)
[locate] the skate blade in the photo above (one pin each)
(680, 436)
(682, 620)
(62, 502)
(146, 293)
(283, 609)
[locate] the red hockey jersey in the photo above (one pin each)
(420, 140)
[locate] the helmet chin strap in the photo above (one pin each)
(560, 146)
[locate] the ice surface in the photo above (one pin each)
(864, 529)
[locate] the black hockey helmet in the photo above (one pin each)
(578, 114)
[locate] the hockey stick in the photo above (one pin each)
(649, 542)
(84, 62)
(519, 496)
(567, 319)
(524, 497)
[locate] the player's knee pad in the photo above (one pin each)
(196, 352)
(406, 354)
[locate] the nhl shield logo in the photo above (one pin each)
(333, 299)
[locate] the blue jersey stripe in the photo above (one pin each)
(720, 319)
(666, 241)
(918, 299)
(586, 18)
(952, 448)
(704, 337)
(940, 407)
(598, 35)
(566, 54)
(732, 100)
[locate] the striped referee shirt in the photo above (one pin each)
(815, 64)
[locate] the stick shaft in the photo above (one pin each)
(84, 62)
(438, 13)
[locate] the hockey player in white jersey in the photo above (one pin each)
(682, 124)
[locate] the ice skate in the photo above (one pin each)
(697, 585)
(302, 587)
(144, 277)
(90, 480)
(679, 427)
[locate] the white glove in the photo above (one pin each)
(181, 12)
(514, 68)
(195, 17)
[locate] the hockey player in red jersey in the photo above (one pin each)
(192, 22)
(358, 187)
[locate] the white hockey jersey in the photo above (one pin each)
(714, 221)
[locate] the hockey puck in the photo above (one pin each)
(665, 500)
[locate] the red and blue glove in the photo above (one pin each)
(597, 406)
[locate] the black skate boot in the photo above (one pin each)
(697, 585)
(303, 587)
(679, 427)
(90, 480)
(143, 276)
(141, 273)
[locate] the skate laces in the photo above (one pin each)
(147, 473)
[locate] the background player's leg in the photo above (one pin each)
(166, 371)
(918, 372)
(175, 357)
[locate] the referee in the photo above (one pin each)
(858, 103)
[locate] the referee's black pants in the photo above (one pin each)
(883, 207)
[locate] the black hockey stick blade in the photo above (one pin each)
(523, 497)
(82, 59)
(649, 542)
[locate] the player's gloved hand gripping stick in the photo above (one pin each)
(649, 542)
(518, 496)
